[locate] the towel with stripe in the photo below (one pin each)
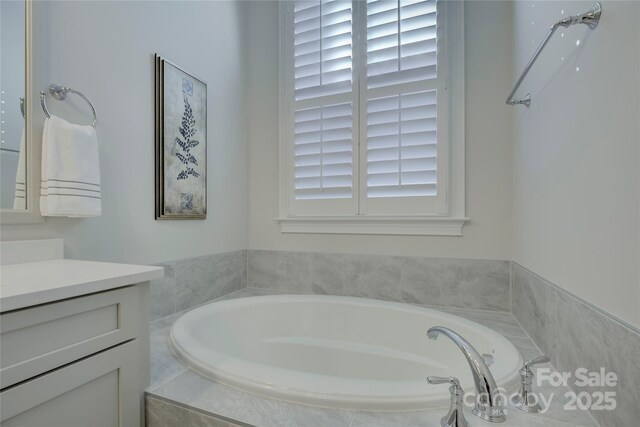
(19, 199)
(70, 170)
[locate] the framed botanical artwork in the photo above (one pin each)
(181, 143)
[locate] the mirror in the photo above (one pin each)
(19, 156)
(13, 153)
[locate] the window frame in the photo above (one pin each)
(447, 213)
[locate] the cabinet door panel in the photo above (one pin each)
(101, 390)
(39, 339)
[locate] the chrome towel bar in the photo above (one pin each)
(60, 93)
(589, 18)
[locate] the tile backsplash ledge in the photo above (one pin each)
(446, 282)
(193, 281)
(462, 283)
(575, 335)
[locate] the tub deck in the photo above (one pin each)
(180, 396)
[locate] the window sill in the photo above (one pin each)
(398, 225)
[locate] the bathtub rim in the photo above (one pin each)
(333, 399)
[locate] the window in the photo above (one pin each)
(369, 143)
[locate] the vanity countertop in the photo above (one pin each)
(32, 283)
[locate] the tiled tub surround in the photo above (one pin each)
(571, 332)
(577, 335)
(193, 281)
(179, 396)
(161, 413)
(464, 283)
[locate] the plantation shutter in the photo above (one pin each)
(323, 103)
(401, 97)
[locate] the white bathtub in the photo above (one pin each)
(336, 351)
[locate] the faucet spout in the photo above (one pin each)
(488, 402)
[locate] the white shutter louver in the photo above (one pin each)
(322, 48)
(401, 145)
(401, 128)
(323, 158)
(401, 41)
(323, 111)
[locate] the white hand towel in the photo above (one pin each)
(70, 170)
(19, 199)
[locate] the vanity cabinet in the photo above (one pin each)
(82, 361)
(74, 338)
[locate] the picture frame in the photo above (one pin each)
(181, 143)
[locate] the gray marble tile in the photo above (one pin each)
(477, 284)
(464, 283)
(243, 268)
(503, 323)
(526, 346)
(331, 272)
(206, 278)
(165, 321)
(251, 292)
(263, 268)
(369, 276)
(535, 305)
(161, 413)
(280, 270)
(228, 270)
(194, 282)
(162, 293)
(212, 397)
(591, 340)
(431, 418)
(553, 400)
(163, 364)
(241, 293)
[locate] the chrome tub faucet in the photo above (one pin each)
(488, 400)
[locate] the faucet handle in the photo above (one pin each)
(525, 400)
(442, 380)
(455, 416)
(536, 361)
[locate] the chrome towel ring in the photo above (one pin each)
(60, 93)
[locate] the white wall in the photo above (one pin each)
(105, 49)
(488, 145)
(577, 157)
